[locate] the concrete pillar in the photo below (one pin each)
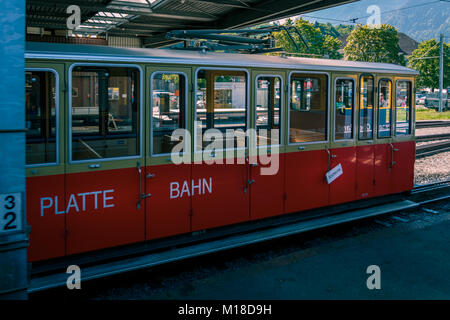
(13, 235)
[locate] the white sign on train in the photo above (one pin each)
(334, 173)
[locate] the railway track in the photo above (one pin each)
(433, 137)
(432, 148)
(432, 124)
(420, 195)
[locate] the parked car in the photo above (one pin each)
(420, 98)
(432, 101)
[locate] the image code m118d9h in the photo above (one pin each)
(224, 150)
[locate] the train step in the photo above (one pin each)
(44, 282)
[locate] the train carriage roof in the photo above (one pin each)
(56, 51)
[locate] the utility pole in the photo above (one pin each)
(441, 74)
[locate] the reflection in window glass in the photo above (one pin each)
(40, 106)
(344, 109)
(168, 109)
(268, 105)
(403, 108)
(221, 103)
(384, 108)
(308, 108)
(105, 112)
(366, 108)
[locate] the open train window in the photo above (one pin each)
(366, 107)
(168, 109)
(221, 104)
(308, 107)
(105, 112)
(403, 107)
(268, 106)
(41, 114)
(384, 108)
(344, 100)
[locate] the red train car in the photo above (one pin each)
(127, 146)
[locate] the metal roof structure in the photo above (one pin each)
(134, 55)
(150, 20)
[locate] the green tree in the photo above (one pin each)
(319, 44)
(425, 60)
(370, 44)
(344, 30)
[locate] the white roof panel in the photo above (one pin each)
(130, 55)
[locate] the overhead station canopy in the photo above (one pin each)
(150, 20)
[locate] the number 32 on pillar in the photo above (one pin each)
(10, 212)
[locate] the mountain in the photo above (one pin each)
(425, 19)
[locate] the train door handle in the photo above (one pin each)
(247, 168)
(139, 170)
(150, 175)
(330, 156)
(141, 194)
(392, 156)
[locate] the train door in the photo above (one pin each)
(45, 160)
(220, 171)
(266, 163)
(104, 175)
(365, 148)
(383, 146)
(342, 150)
(168, 182)
(306, 155)
(403, 145)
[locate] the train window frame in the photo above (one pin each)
(410, 109)
(69, 112)
(373, 107)
(354, 109)
(57, 115)
(378, 108)
(281, 134)
(327, 113)
(186, 110)
(247, 101)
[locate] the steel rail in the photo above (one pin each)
(431, 137)
(432, 124)
(432, 148)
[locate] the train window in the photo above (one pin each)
(40, 106)
(308, 108)
(268, 106)
(384, 108)
(105, 112)
(344, 109)
(168, 109)
(403, 108)
(366, 108)
(221, 103)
